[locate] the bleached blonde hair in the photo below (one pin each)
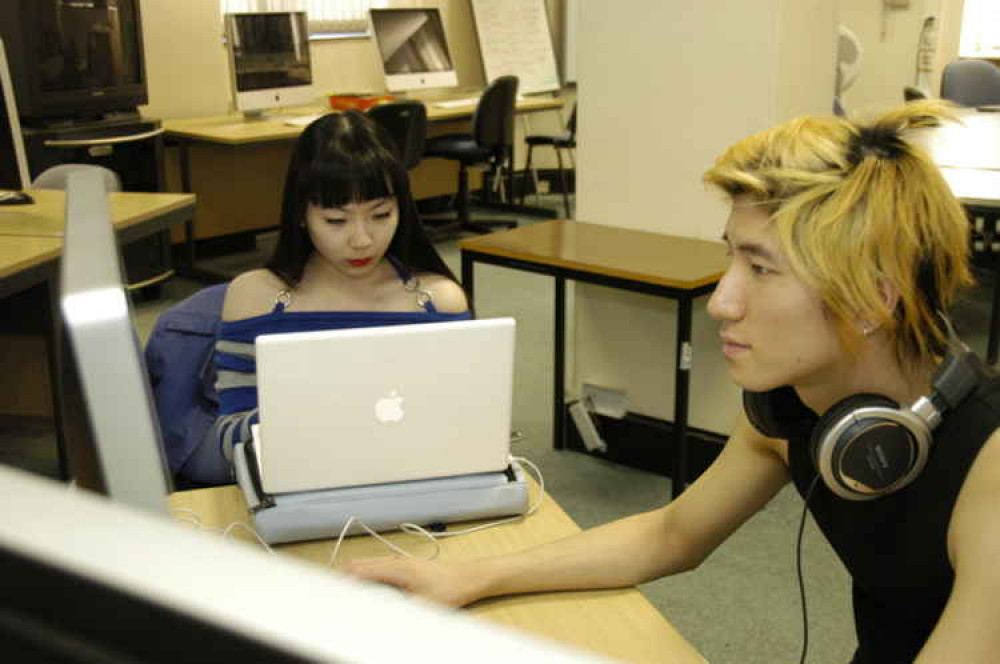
(856, 208)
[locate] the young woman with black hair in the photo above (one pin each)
(351, 253)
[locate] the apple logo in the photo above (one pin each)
(389, 408)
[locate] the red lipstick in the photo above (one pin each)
(359, 262)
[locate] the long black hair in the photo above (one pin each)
(347, 158)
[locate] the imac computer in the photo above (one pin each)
(110, 429)
(13, 161)
(269, 60)
(413, 49)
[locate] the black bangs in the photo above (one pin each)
(336, 182)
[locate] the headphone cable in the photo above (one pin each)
(798, 569)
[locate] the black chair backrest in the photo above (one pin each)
(493, 123)
(406, 123)
(571, 125)
(971, 83)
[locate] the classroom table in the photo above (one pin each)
(241, 163)
(675, 268)
(619, 623)
(30, 247)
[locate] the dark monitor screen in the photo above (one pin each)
(87, 45)
(270, 50)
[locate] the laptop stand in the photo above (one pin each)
(305, 515)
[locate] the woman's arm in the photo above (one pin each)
(969, 628)
(674, 538)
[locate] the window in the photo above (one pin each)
(327, 18)
(980, 29)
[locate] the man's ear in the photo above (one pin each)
(889, 293)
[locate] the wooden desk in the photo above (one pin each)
(134, 215)
(672, 267)
(620, 624)
(30, 246)
(237, 167)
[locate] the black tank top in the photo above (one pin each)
(895, 547)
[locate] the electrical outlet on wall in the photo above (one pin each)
(606, 401)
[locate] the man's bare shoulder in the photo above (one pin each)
(251, 294)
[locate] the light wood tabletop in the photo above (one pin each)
(233, 129)
(45, 217)
(23, 253)
(643, 256)
(620, 624)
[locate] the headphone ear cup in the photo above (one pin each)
(864, 458)
(778, 413)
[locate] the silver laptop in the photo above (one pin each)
(384, 404)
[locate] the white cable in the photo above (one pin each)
(412, 528)
(408, 528)
(251, 530)
(190, 516)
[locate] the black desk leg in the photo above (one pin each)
(54, 348)
(682, 377)
(559, 370)
(991, 346)
(467, 275)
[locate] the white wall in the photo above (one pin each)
(889, 37)
(659, 98)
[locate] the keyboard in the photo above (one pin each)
(456, 103)
(302, 120)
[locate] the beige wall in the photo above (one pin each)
(890, 44)
(655, 110)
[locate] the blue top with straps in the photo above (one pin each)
(235, 360)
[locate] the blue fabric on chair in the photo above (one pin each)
(179, 360)
(971, 83)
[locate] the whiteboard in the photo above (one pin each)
(514, 38)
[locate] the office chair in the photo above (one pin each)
(57, 176)
(491, 143)
(559, 142)
(406, 123)
(971, 83)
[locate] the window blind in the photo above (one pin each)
(330, 17)
(980, 29)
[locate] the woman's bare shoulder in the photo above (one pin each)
(251, 294)
(448, 296)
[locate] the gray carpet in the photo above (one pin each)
(742, 605)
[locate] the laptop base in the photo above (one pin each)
(306, 515)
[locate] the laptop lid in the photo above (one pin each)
(374, 405)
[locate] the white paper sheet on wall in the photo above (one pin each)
(514, 38)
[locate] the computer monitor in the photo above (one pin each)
(413, 49)
(13, 160)
(269, 60)
(85, 581)
(110, 429)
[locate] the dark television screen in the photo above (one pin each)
(74, 58)
(86, 45)
(270, 50)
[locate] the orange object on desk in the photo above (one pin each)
(357, 102)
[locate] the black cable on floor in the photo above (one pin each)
(798, 569)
